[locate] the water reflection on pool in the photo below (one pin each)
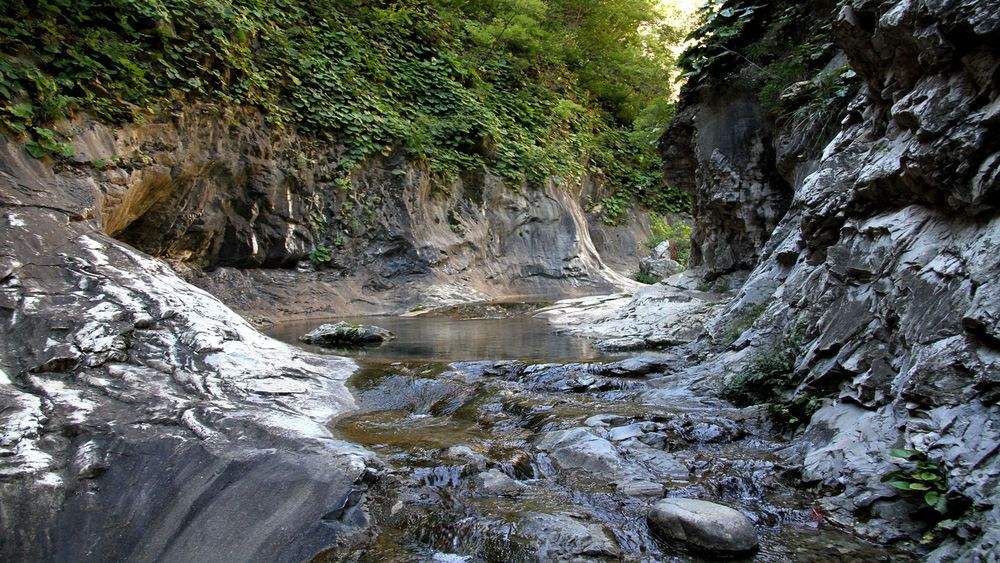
(449, 339)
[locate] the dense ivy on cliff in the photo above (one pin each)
(781, 51)
(530, 88)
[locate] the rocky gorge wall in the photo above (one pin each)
(240, 208)
(872, 260)
(141, 418)
(128, 396)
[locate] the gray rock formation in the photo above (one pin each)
(343, 333)
(240, 206)
(561, 537)
(496, 482)
(659, 268)
(704, 527)
(132, 401)
(879, 251)
(653, 316)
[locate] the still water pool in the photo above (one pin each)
(449, 339)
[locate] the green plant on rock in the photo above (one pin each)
(46, 142)
(321, 254)
(918, 477)
(769, 379)
(645, 277)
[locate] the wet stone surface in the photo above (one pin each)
(514, 461)
(499, 461)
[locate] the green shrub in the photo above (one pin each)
(46, 142)
(769, 379)
(679, 235)
(320, 255)
(645, 277)
(919, 477)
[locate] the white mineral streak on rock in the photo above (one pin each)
(66, 397)
(14, 220)
(655, 314)
(21, 421)
(210, 349)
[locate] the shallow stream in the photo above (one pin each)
(504, 441)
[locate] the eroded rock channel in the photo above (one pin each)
(491, 453)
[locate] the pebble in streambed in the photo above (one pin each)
(509, 461)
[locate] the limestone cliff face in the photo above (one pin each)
(883, 246)
(229, 194)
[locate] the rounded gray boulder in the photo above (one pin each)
(703, 526)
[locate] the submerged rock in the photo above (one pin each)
(496, 482)
(346, 334)
(563, 537)
(703, 526)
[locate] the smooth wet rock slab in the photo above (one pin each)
(562, 537)
(346, 334)
(703, 526)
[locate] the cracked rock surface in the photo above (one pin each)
(875, 256)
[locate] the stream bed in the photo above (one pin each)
(504, 441)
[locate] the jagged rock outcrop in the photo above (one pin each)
(885, 263)
(738, 195)
(140, 418)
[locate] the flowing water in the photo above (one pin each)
(556, 455)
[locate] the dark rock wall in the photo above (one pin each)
(886, 254)
(738, 196)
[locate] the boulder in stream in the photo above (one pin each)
(346, 334)
(703, 526)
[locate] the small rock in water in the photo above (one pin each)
(496, 482)
(603, 420)
(703, 526)
(466, 453)
(346, 334)
(560, 537)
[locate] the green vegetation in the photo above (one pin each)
(530, 88)
(926, 483)
(646, 278)
(45, 141)
(919, 477)
(320, 255)
(678, 234)
(769, 379)
(773, 48)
